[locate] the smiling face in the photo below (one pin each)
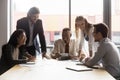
(80, 24)
(66, 36)
(33, 14)
(33, 17)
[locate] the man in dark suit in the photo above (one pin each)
(32, 26)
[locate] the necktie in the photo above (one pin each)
(67, 48)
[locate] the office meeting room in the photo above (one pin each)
(59, 40)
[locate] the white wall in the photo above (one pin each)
(3, 23)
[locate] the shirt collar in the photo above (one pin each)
(104, 40)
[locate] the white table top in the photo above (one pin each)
(53, 70)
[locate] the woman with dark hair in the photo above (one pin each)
(10, 51)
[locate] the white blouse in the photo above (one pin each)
(90, 41)
(15, 54)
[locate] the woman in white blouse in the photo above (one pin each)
(84, 31)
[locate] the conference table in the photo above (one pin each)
(43, 69)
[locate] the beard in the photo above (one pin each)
(96, 40)
(33, 21)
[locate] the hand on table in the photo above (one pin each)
(31, 59)
(81, 57)
(44, 55)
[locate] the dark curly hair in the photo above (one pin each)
(14, 37)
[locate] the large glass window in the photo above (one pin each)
(116, 21)
(55, 14)
(91, 9)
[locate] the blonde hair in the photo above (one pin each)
(87, 25)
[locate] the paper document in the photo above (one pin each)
(78, 68)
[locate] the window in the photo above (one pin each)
(91, 10)
(116, 21)
(55, 14)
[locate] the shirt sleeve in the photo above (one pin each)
(91, 39)
(81, 41)
(98, 56)
(56, 48)
(41, 36)
(73, 48)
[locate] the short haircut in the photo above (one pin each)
(66, 29)
(102, 28)
(33, 10)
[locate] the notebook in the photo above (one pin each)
(79, 68)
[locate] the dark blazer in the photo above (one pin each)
(38, 29)
(6, 60)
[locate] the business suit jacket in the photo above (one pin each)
(59, 47)
(6, 60)
(23, 23)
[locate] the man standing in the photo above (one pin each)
(32, 26)
(107, 51)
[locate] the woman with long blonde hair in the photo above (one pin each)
(84, 31)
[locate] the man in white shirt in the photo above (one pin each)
(64, 48)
